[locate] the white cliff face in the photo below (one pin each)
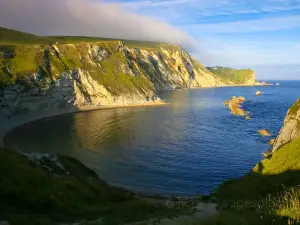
(291, 127)
(73, 89)
(99, 74)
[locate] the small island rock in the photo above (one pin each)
(259, 93)
(264, 133)
(235, 105)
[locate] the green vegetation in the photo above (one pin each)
(8, 36)
(236, 76)
(32, 194)
(22, 54)
(269, 194)
(295, 108)
(144, 44)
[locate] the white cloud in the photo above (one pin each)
(214, 7)
(248, 26)
(248, 53)
(87, 18)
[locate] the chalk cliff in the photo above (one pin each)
(40, 77)
(42, 74)
(291, 127)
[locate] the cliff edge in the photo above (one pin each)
(235, 76)
(291, 127)
(70, 72)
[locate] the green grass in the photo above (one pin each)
(144, 44)
(8, 36)
(31, 194)
(277, 173)
(28, 58)
(236, 76)
(294, 109)
(270, 191)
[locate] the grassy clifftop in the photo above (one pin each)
(8, 36)
(242, 76)
(269, 194)
(49, 191)
(136, 64)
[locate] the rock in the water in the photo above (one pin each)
(272, 141)
(264, 133)
(235, 105)
(259, 93)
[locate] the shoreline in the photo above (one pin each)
(9, 124)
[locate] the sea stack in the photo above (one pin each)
(258, 93)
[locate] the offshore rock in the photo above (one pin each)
(264, 133)
(235, 106)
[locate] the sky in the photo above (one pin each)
(259, 34)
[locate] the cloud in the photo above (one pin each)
(249, 53)
(248, 26)
(87, 18)
(216, 7)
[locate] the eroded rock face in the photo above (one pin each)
(49, 162)
(99, 74)
(291, 127)
(73, 89)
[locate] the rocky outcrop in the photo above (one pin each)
(264, 133)
(64, 76)
(272, 142)
(73, 89)
(291, 127)
(258, 93)
(235, 106)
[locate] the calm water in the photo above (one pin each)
(185, 148)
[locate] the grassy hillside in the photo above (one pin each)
(236, 76)
(44, 193)
(8, 36)
(269, 194)
(19, 58)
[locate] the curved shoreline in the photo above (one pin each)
(8, 125)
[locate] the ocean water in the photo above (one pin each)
(186, 147)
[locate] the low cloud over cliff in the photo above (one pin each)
(87, 18)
